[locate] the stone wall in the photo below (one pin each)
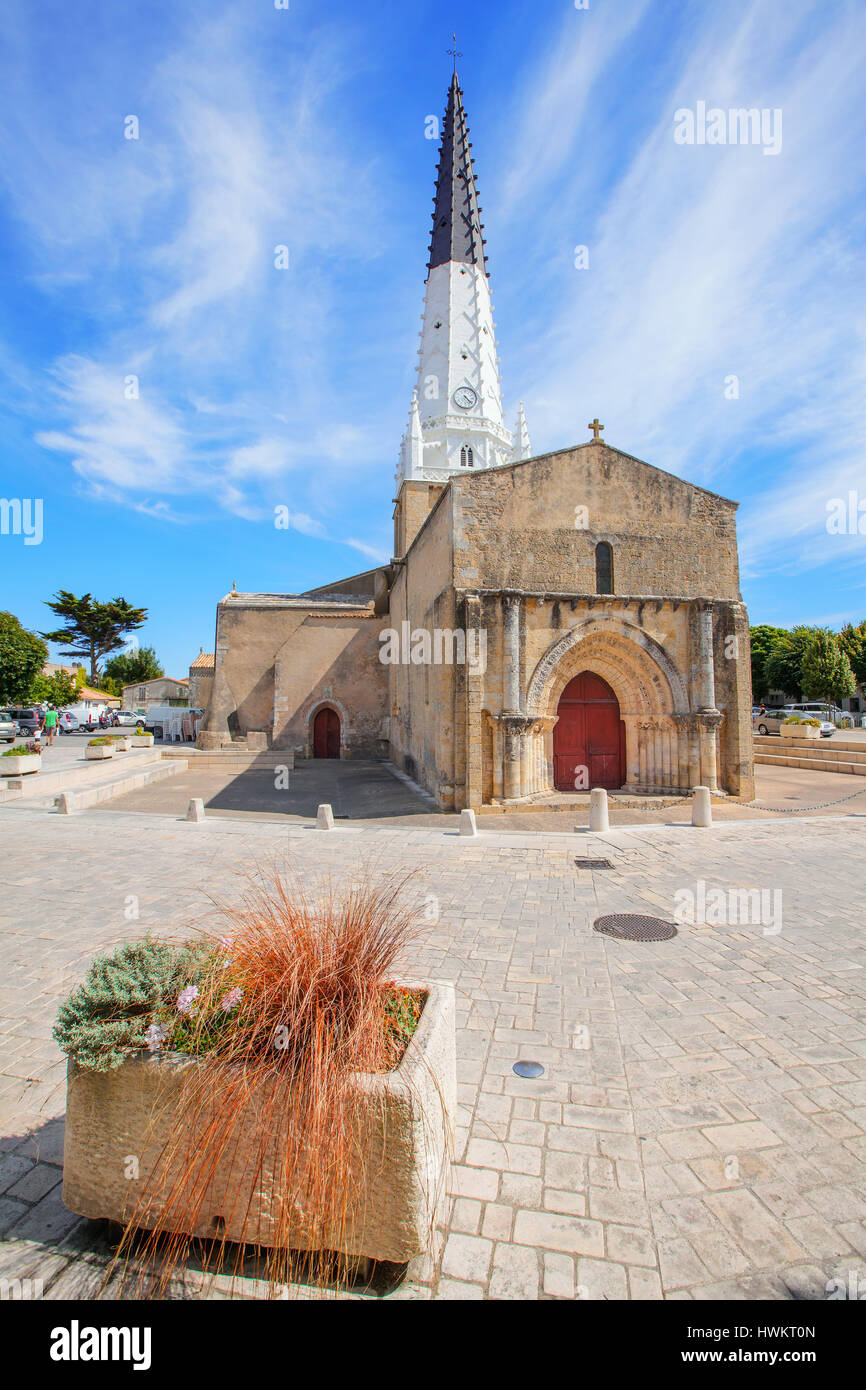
(517, 528)
(279, 657)
(423, 697)
(672, 641)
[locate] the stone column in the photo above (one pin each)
(516, 761)
(708, 716)
(709, 722)
(511, 654)
(706, 673)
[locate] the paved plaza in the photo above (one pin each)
(700, 1127)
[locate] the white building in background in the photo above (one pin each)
(456, 418)
(163, 690)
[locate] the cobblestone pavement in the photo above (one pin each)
(376, 794)
(700, 1127)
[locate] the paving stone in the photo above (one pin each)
(627, 1208)
(644, 1284)
(12, 1169)
(601, 1279)
(764, 1239)
(558, 1275)
(555, 1232)
(497, 1221)
(630, 1246)
(452, 1291)
(36, 1183)
(467, 1257)
(515, 1272)
(466, 1216)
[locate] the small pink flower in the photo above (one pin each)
(156, 1036)
(231, 999)
(187, 998)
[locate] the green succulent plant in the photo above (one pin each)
(107, 1014)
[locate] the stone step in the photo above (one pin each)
(232, 760)
(818, 747)
(86, 794)
(81, 773)
(797, 758)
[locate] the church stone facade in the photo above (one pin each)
(547, 624)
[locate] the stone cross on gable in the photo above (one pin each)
(596, 430)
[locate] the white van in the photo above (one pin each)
(87, 713)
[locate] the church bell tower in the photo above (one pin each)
(456, 419)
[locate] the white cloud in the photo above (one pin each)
(707, 262)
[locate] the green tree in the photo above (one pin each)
(852, 640)
(22, 657)
(129, 667)
(93, 630)
(763, 639)
(59, 690)
(826, 670)
(784, 663)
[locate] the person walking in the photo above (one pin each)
(50, 724)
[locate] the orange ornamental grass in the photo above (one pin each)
(270, 1129)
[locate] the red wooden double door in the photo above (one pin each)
(326, 734)
(588, 734)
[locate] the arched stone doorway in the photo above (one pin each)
(589, 736)
(326, 734)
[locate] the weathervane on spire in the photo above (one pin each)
(452, 52)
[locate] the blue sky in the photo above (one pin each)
(305, 127)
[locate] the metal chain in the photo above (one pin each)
(798, 810)
(760, 805)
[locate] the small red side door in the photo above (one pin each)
(326, 734)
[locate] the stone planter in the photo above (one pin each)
(407, 1133)
(19, 764)
(102, 750)
(122, 745)
(141, 740)
(799, 731)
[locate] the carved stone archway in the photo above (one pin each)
(652, 694)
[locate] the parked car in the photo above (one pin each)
(126, 716)
(819, 709)
(8, 726)
(67, 722)
(771, 721)
(29, 718)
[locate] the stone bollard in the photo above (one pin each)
(64, 804)
(195, 809)
(324, 817)
(467, 823)
(702, 811)
(598, 817)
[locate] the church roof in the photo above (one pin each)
(457, 224)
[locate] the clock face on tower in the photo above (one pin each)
(465, 397)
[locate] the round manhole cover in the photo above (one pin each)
(528, 1069)
(630, 926)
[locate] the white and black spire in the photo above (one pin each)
(457, 404)
(457, 224)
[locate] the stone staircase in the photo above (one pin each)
(816, 755)
(233, 758)
(87, 783)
